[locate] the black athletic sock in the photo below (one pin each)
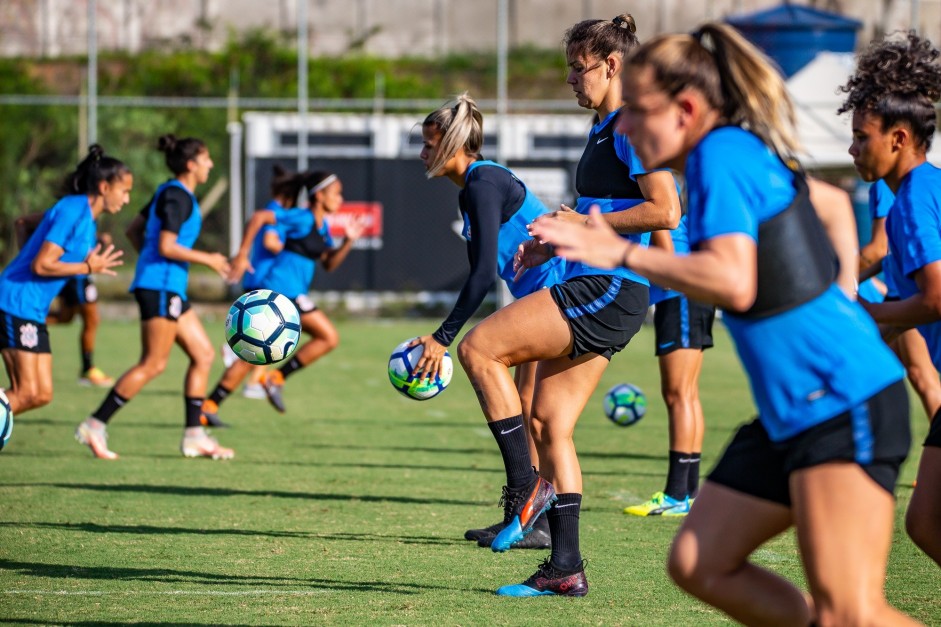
(291, 367)
(219, 394)
(563, 529)
(194, 409)
(510, 434)
(677, 475)
(87, 361)
(112, 403)
(693, 479)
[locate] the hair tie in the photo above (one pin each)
(322, 184)
(700, 38)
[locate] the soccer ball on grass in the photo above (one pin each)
(625, 404)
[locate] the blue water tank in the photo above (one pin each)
(793, 35)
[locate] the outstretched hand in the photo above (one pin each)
(237, 269)
(219, 263)
(101, 262)
(594, 242)
(356, 227)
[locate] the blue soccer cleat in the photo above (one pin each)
(526, 512)
(549, 580)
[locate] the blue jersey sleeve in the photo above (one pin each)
(921, 228)
(881, 200)
(62, 225)
(625, 152)
(732, 196)
(294, 223)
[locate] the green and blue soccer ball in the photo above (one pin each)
(6, 420)
(263, 327)
(625, 404)
(402, 364)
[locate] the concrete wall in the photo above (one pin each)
(388, 27)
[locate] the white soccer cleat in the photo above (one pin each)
(228, 355)
(254, 391)
(203, 445)
(92, 433)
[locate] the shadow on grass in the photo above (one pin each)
(483, 451)
(203, 491)
(90, 527)
(125, 574)
(100, 623)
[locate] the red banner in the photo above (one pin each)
(372, 211)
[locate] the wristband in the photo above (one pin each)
(87, 263)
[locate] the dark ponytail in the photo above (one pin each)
(286, 184)
(94, 168)
(179, 152)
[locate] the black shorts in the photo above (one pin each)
(878, 440)
(603, 311)
(934, 432)
(682, 323)
(79, 290)
(23, 335)
(160, 304)
(305, 304)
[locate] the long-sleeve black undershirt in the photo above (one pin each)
(490, 197)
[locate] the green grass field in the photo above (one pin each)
(350, 508)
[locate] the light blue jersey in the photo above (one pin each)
(260, 257)
(809, 363)
(70, 226)
(293, 269)
(513, 232)
(914, 230)
(173, 208)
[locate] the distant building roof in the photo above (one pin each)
(789, 16)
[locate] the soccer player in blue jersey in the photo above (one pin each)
(267, 243)
(79, 296)
(682, 332)
(893, 95)
(62, 246)
(496, 207)
(164, 233)
(909, 345)
(683, 328)
(575, 327)
(307, 241)
(824, 454)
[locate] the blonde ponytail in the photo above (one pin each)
(462, 128)
(735, 77)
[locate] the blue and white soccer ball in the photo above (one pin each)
(625, 404)
(263, 327)
(401, 365)
(6, 420)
